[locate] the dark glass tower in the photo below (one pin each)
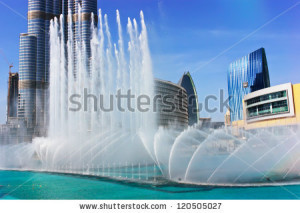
(246, 75)
(187, 83)
(12, 96)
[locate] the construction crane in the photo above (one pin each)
(10, 65)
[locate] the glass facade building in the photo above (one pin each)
(40, 12)
(36, 26)
(187, 83)
(27, 78)
(245, 76)
(82, 22)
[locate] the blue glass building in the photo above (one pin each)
(246, 75)
(187, 83)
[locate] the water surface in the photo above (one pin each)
(30, 185)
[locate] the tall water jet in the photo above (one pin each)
(94, 134)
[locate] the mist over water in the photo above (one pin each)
(129, 145)
(86, 137)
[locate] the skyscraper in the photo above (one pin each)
(83, 29)
(187, 83)
(34, 73)
(246, 75)
(12, 96)
(82, 24)
(27, 75)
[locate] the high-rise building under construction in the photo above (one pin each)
(12, 96)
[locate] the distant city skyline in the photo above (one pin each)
(202, 37)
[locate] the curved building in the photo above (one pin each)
(187, 83)
(170, 104)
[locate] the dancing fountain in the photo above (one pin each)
(128, 145)
(89, 139)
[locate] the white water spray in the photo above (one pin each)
(127, 145)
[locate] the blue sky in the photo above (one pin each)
(200, 36)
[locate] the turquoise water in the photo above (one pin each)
(30, 185)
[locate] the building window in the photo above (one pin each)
(264, 109)
(252, 112)
(279, 107)
(276, 95)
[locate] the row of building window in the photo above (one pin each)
(267, 97)
(268, 109)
